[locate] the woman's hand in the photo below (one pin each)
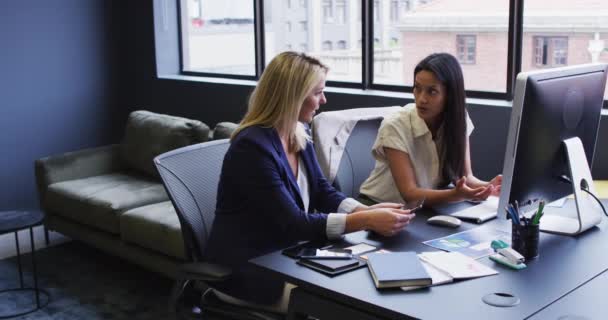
(496, 182)
(389, 205)
(388, 221)
(465, 192)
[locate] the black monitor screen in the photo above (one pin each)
(549, 107)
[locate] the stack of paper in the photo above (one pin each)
(445, 267)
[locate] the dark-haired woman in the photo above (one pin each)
(425, 147)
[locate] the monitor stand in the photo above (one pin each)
(588, 211)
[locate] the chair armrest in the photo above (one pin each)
(76, 165)
(204, 271)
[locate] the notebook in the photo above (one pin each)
(397, 269)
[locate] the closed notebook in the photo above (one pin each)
(397, 269)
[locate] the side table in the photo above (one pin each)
(14, 221)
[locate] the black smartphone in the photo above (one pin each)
(312, 253)
(414, 206)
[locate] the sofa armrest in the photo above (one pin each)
(76, 165)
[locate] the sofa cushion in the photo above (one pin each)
(98, 201)
(155, 227)
(223, 130)
(149, 134)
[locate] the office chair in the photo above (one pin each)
(191, 176)
(357, 161)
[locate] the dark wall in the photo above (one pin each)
(58, 85)
(211, 103)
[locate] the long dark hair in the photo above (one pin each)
(447, 70)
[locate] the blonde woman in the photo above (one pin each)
(272, 193)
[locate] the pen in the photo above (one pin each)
(539, 213)
(514, 216)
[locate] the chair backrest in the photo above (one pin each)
(357, 161)
(191, 175)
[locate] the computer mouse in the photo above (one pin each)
(444, 221)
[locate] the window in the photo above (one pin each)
(394, 10)
(313, 35)
(218, 39)
(376, 10)
(550, 51)
(328, 12)
(465, 48)
(437, 27)
(340, 11)
(576, 36)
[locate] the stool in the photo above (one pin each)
(14, 221)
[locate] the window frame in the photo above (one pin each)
(368, 18)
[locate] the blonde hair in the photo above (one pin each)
(277, 99)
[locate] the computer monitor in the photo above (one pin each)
(552, 139)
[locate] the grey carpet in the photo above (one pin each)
(85, 283)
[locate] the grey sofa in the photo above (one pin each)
(112, 198)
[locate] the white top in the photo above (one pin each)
(405, 131)
(336, 222)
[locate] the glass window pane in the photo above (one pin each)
(218, 36)
(425, 27)
(327, 29)
(564, 33)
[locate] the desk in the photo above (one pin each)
(564, 264)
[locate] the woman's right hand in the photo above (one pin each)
(464, 192)
(388, 221)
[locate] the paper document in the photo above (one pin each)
(474, 243)
(482, 212)
(438, 276)
(457, 265)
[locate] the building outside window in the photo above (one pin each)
(328, 11)
(218, 38)
(376, 10)
(466, 46)
(394, 10)
(327, 46)
(340, 11)
(550, 51)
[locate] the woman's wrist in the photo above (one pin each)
(361, 207)
(357, 221)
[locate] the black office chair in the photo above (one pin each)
(191, 176)
(357, 161)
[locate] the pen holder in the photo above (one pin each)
(524, 239)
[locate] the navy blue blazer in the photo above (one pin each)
(260, 210)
